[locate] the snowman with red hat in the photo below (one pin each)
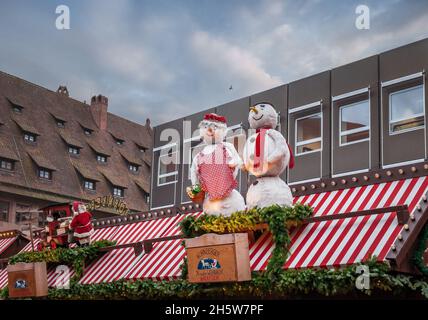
(266, 155)
(214, 169)
(81, 224)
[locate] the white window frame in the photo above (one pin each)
(166, 175)
(87, 183)
(100, 156)
(73, 150)
(392, 133)
(133, 167)
(356, 130)
(44, 171)
(122, 192)
(29, 137)
(5, 164)
(305, 142)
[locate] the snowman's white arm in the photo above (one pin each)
(194, 176)
(235, 159)
(280, 147)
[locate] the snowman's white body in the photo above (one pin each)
(269, 188)
(234, 201)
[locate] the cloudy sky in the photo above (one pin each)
(164, 59)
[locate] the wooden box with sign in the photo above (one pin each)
(27, 280)
(218, 258)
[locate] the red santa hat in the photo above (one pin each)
(76, 206)
(215, 117)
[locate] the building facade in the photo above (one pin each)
(355, 119)
(54, 149)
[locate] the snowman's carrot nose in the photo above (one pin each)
(254, 109)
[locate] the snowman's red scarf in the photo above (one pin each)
(260, 147)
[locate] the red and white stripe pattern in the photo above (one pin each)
(346, 241)
(59, 277)
(3, 278)
(5, 243)
(162, 263)
(110, 267)
(104, 233)
(117, 263)
(28, 247)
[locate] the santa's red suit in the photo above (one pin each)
(81, 223)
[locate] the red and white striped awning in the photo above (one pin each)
(104, 233)
(110, 267)
(3, 278)
(346, 241)
(28, 247)
(163, 262)
(59, 276)
(6, 243)
(115, 264)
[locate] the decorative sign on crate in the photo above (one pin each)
(218, 258)
(27, 280)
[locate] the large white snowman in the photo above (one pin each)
(215, 168)
(266, 155)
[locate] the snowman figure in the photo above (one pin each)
(266, 155)
(215, 168)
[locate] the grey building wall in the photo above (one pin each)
(371, 79)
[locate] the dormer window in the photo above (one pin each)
(60, 123)
(6, 164)
(44, 173)
(89, 185)
(73, 150)
(120, 142)
(87, 131)
(133, 167)
(101, 158)
(17, 109)
(118, 192)
(30, 137)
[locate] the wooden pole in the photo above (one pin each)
(31, 231)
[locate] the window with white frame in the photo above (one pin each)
(406, 109)
(6, 164)
(44, 173)
(89, 185)
(167, 166)
(354, 122)
(118, 192)
(133, 167)
(29, 137)
(308, 134)
(101, 158)
(73, 150)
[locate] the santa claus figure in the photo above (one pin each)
(266, 155)
(81, 224)
(215, 168)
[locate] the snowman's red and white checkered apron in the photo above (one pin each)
(215, 175)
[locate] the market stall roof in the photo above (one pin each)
(162, 263)
(3, 278)
(346, 241)
(6, 243)
(117, 263)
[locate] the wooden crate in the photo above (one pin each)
(27, 280)
(218, 258)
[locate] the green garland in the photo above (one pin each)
(289, 284)
(418, 256)
(73, 257)
(278, 218)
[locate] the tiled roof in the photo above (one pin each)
(131, 158)
(6, 150)
(114, 178)
(70, 140)
(86, 172)
(40, 159)
(25, 125)
(41, 110)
